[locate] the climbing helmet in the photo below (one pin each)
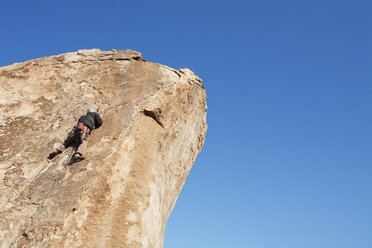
(91, 110)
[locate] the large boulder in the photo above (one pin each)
(137, 161)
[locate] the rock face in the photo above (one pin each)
(137, 162)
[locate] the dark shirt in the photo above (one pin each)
(91, 120)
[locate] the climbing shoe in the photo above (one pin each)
(53, 154)
(78, 157)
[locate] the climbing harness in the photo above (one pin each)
(43, 201)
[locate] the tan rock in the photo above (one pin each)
(122, 195)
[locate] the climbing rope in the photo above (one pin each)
(46, 196)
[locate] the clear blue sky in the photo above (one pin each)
(287, 159)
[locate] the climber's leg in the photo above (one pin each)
(83, 146)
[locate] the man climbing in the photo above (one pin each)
(78, 137)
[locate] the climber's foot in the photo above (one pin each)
(53, 154)
(78, 157)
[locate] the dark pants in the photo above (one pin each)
(77, 138)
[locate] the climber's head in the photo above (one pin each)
(91, 110)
